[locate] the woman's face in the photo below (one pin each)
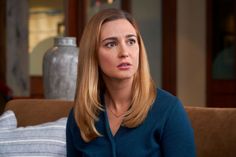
(118, 52)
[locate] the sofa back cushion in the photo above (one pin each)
(214, 128)
(37, 111)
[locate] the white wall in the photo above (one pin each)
(191, 52)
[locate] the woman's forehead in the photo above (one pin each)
(117, 28)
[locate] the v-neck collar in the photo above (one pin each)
(107, 127)
(106, 120)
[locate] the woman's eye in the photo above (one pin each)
(131, 41)
(110, 44)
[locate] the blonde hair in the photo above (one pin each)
(87, 105)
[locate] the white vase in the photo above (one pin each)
(60, 69)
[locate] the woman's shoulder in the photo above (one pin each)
(165, 97)
(166, 108)
(165, 102)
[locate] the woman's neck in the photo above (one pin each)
(118, 94)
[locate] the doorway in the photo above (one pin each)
(221, 53)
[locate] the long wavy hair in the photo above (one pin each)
(87, 105)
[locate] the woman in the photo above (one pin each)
(117, 111)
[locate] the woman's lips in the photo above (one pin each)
(124, 66)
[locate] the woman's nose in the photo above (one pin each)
(123, 50)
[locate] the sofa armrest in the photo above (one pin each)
(37, 111)
(214, 131)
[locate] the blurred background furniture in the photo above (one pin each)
(5, 95)
(214, 128)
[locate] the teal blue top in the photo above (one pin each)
(166, 132)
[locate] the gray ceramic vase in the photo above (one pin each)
(60, 69)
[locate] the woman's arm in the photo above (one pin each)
(70, 146)
(178, 137)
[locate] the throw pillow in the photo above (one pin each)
(47, 139)
(8, 120)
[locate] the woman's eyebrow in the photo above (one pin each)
(130, 35)
(109, 38)
(115, 38)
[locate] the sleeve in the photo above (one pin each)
(70, 146)
(178, 136)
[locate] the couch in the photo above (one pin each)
(214, 128)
